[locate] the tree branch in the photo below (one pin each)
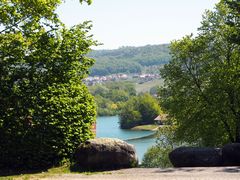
(198, 85)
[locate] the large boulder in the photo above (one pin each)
(195, 157)
(231, 154)
(106, 153)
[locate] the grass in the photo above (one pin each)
(30, 175)
(149, 127)
(50, 173)
(145, 87)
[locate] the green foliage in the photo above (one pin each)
(129, 59)
(157, 155)
(129, 115)
(233, 19)
(202, 84)
(139, 110)
(154, 90)
(149, 108)
(87, 1)
(45, 109)
(110, 96)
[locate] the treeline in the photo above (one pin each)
(128, 59)
(120, 98)
(111, 96)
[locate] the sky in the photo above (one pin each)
(118, 23)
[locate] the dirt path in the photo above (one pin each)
(215, 173)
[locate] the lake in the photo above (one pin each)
(108, 126)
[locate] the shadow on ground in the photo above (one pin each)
(200, 169)
(19, 172)
(77, 168)
(230, 169)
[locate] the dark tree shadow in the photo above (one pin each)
(230, 169)
(77, 168)
(9, 172)
(235, 169)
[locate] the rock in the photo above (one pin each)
(106, 153)
(231, 154)
(196, 157)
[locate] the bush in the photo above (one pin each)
(157, 157)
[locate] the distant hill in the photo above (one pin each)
(129, 59)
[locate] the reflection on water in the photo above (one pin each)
(109, 127)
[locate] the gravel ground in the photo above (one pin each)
(216, 173)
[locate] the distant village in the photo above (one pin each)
(141, 78)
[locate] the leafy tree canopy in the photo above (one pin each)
(202, 84)
(110, 96)
(139, 110)
(45, 109)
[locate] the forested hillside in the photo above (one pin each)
(128, 59)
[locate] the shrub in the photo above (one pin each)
(157, 157)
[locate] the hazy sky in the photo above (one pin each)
(136, 22)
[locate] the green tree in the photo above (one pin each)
(45, 109)
(139, 110)
(118, 95)
(110, 96)
(99, 90)
(202, 84)
(154, 90)
(129, 87)
(233, 19)
(129, 115)
(149, 108)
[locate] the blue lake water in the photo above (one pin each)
(109, 127)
